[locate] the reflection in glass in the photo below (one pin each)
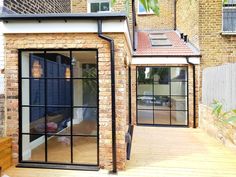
(178, 74)
(145, 116)
(84, 65)
(162, 117)
(145, 102)
(58, 149)
(33, 151)
(161, 89)
(85, 92)
(85, 150)
(162, 102)
(179, 103)
(179, 117)
(85, 121)
(179, 88)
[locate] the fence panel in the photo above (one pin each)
(220, 83)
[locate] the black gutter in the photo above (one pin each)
(113, 95)
(80, 16)
(194, 92)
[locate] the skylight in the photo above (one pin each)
(159, 40)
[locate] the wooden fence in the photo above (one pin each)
(220, 83)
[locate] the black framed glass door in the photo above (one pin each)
(162, 96)
(59, 107)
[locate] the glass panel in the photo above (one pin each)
(33, 150)
(25, 91)
(58, 92)
(58, 120)
(179, 103)
(179, 74)
(85, 150)
(85, 92)
(105, 6)
(58, 64)
(33, 120)
(179, 118)
(85, 121)
(84, 64)
(162, 117)
(161, 89)
(161, 75)
(59, 149)
(162, 102)
(141, 8)
(32, 64)
(94, 7)
(145, 102)
(179, 88)
(145, 116)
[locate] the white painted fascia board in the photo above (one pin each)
(60, 26)
(71, 26)
(164, 60)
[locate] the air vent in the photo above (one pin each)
(159, 39)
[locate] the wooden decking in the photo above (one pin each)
(162, 152)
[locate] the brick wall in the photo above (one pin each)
(80, 6)
(165, 20)
(187, 19)
(216, 49)
(1, 81)
(76, 41)
(36, 6)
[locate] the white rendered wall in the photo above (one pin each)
(1, 56)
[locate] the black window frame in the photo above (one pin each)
(228, 12)
(169, 95)
(56, 165)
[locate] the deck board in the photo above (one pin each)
(162, 152)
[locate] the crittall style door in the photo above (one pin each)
(162, 96)
(59, 107)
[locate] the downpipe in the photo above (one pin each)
(113, 96)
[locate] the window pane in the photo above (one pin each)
(85, 121)
(58, 120)
(85, 150)
(58, 64)
(84, 64)
(32, 64)
(179, 103)
(162, 102)
(33, 150)
(179, 74)
(141, 8)
(161, 75)
(105, 6)
(145, 116)
(85, 92)
(94, 7)
(162, 117)
(161, 89)
(58, 92)
(59, 149)
(145, 102)
(179, 118)
(179, 88)
(33, 120)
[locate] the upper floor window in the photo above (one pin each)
(229, 16)
(142, 10)
(99, 6)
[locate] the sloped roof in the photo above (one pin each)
(178, 47)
